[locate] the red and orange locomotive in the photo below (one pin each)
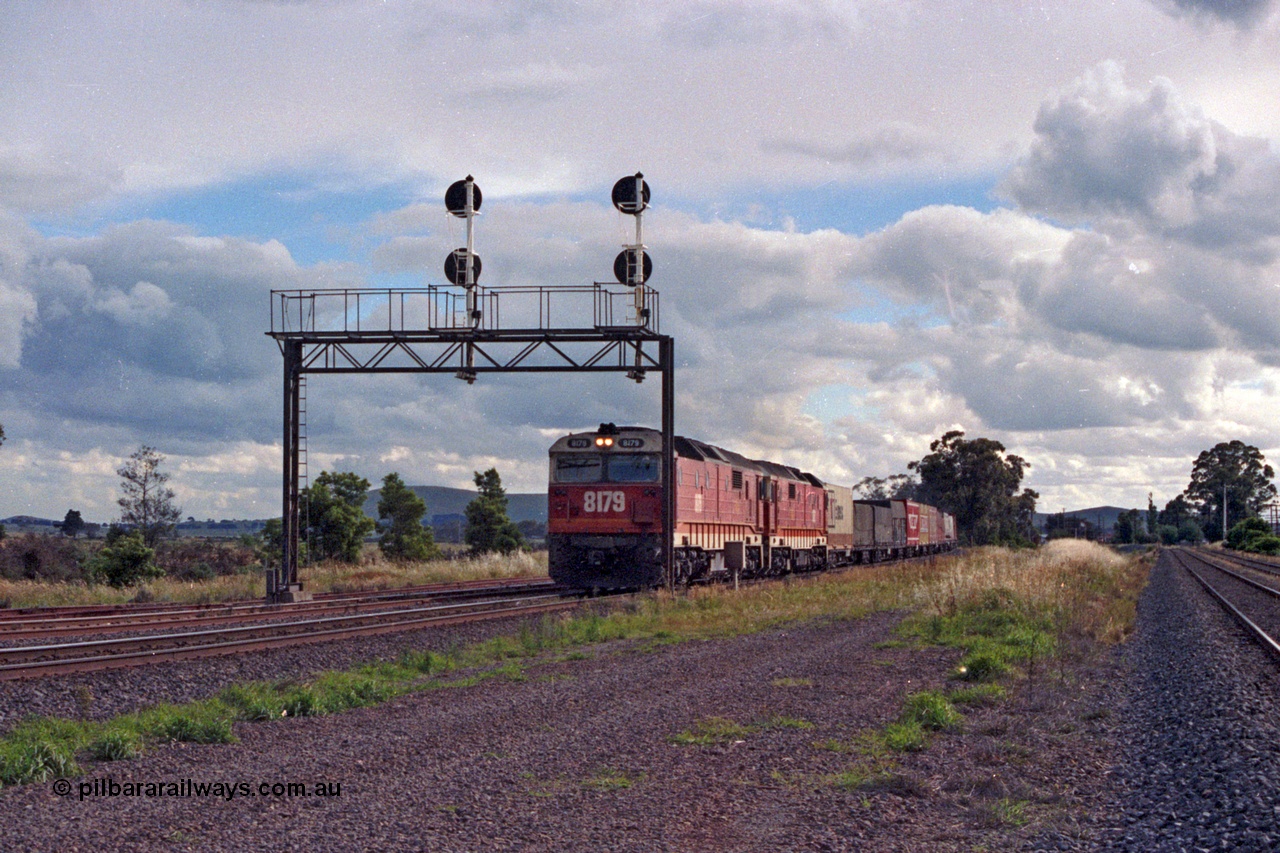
(604, 521)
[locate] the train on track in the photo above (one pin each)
(734, 516)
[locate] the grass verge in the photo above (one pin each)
(373, 572)
(1015, 609)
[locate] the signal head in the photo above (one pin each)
(625, 195)
(455, 198)
(625, 268)
(455, 267)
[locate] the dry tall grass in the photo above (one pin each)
(373, 572)
(377, 572)
(1088, 589)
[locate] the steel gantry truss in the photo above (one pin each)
(436, 330)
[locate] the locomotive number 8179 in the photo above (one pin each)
(595, 501)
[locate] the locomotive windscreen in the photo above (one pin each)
(634, 468)
(578, 468)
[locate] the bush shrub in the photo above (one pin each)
(38, 761)
(125, 561)
(982, 665)
(931, 711)
(1239, 535)
(199, 729)
(201, 559)
(35, 557)
(1264, 544)
(1189, 531)
(115, 746)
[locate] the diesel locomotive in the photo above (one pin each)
(734, 516)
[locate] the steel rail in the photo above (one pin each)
(94, 613)
(262, 614)
(1241, 560)
(1258, 634)
(139, 657)
(124, 644)
(1242, 578)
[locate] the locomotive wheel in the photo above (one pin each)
(684, 568)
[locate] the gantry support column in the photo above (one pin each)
(284, 587)
(666, 357)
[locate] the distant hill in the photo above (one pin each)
(29, 521)
(442, 500)
(1103, 517)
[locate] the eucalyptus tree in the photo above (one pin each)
(334, 516)
(978, 483)
(1235, 472)
(147, 504)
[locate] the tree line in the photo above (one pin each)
(978, 482)
(1229, 487)
(333, 524)
(332, 519)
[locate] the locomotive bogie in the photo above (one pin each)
(605, 562)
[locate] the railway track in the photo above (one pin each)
(92, 620)
(203, 633)
(1255, 604)
(116, 636)
(1247, 561)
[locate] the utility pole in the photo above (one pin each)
(1224, 513)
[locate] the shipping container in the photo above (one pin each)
(840, 517)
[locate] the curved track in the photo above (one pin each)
(1254, 604)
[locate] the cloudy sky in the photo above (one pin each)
(1053, 224)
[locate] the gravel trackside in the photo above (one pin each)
(579, 755)
(1199, 735)
(118, 691)
(1168, 743)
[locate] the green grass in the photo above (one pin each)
(607, 779)
(783, 722)
(834, 745)
(876, 765)
(35, 761)
(905, 737)
(855, 778)
(1008, 812)
(711, 730)
(999, 631)
(876, 760)
(931, 711)
(116, 746)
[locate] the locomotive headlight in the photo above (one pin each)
(604, 441)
